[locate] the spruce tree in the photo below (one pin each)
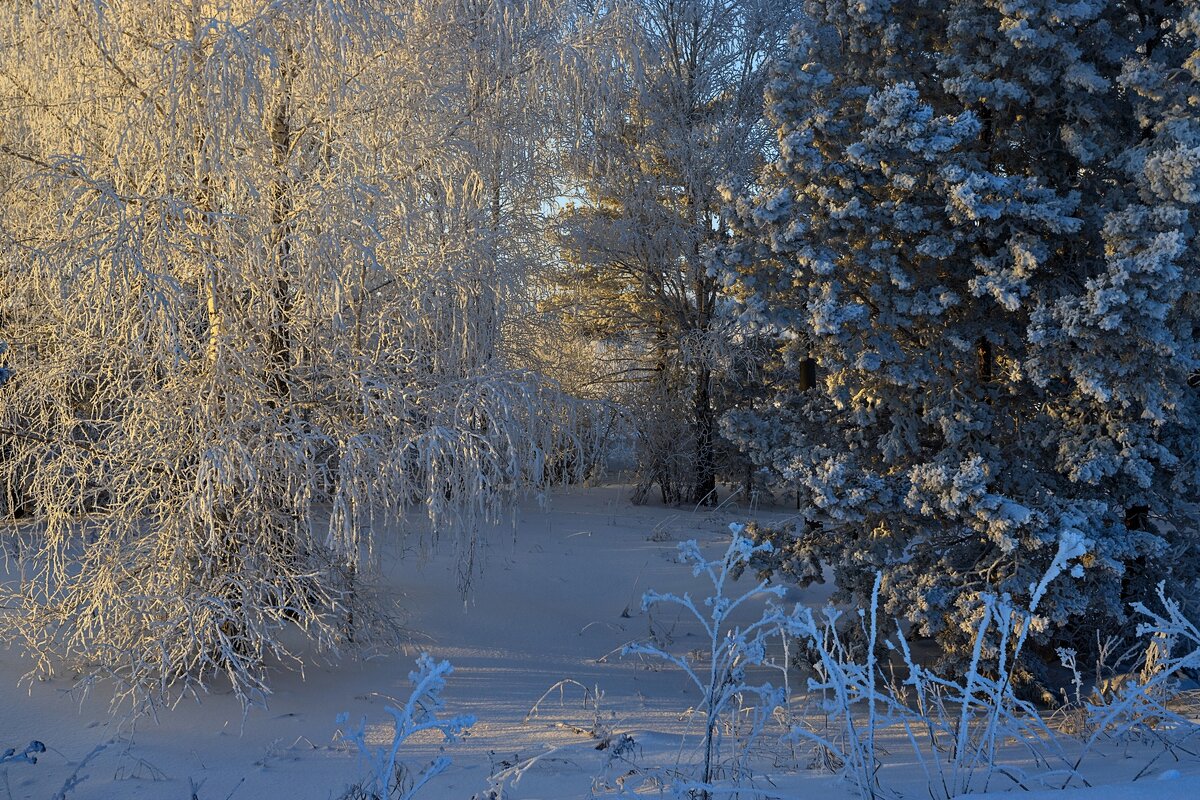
(978, 251)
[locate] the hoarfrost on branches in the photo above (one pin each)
(721, 676)
(256, 279)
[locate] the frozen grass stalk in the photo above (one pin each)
(419, 713)
(964, 722)
(732, 649)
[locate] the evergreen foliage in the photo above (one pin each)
(980, 234)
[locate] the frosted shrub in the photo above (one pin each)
(963, 732)
(257, 349)
(387, 780)
(720, 674)
(954, 727)
(1144, 700)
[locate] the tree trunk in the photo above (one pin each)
(280, 336)
(704, 481)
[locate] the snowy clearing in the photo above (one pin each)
(560, 597)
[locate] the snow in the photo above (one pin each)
(1169, 785)
(558, 599)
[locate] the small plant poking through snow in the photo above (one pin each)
(720, 674)
(1171, 655)
(419, 713)
(965, 732)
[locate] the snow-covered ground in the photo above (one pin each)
(558, 599)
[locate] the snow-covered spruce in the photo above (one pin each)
(977, 250)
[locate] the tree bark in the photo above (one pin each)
(704, 483)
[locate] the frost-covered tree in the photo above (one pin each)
(978, 247)
(681, 116)
(256, 265)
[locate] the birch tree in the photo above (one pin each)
(684, 118)
(257, 264)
